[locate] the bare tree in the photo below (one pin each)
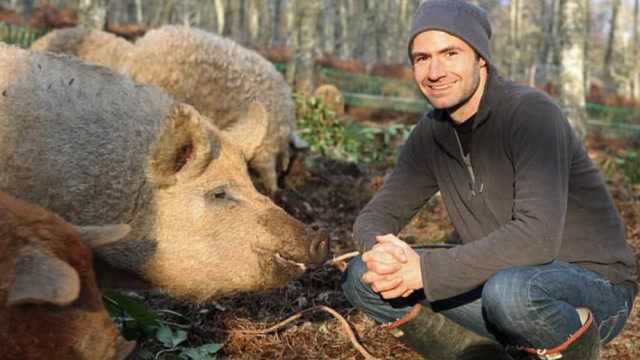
(342, 29)
(264, 12)
(220, 6)
(139, 17)
(93, 13)
(514, 36)
(547, 15)
(636, 52)
(572, 91)
(280, 22)
(608, 54)
(304, 24)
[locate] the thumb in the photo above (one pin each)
(394, 246)
(390, 239)
(398, 253)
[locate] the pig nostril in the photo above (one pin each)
(319, 250)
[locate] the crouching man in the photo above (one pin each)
(542, 269)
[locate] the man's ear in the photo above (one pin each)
(482, 61)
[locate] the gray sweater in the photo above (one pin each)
(527, 194)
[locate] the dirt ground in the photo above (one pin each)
(330, 193)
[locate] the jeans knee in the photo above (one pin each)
(505, 297)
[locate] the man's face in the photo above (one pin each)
(448, 72)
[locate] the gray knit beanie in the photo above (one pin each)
(458, 18)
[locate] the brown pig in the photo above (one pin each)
(97, 148)
(50, 306)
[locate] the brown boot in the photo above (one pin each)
(435, 337)
(584, 344)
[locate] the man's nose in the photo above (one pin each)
(436, 70)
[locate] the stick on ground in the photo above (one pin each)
(341, 319)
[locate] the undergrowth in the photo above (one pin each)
(341, 138)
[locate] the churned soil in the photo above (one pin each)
(330, 193)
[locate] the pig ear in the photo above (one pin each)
(96, 236)
(185, 148)
(250, 130)
(43, 279)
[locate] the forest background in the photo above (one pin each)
(579, 50)
(583, 52)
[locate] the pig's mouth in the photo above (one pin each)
(288, 263)
(281, 262)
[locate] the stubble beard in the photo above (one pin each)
(467, 96)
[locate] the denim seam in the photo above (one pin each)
(612, 321)
(538, 323)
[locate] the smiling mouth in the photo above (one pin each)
(440, 87)
(289, 263)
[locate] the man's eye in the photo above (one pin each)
(452, 53)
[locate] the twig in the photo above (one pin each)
(341, 319)
(341, 258)
(356, 253)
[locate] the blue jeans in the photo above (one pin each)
(532, 306)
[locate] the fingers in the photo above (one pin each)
(407, 293)
(381, 261)
(391, 239)
(398, 291)
(389, 287)
(379, 254)
(381, 283)
(396, 252)
(383, 269)
(386, 285)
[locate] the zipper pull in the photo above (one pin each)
(473, 190)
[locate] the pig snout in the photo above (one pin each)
(319, 247)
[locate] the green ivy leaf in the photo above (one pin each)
(144, 321)
(204, 352)
(170, 339)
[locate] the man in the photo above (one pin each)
(542, 268)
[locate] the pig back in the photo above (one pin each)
(74, 137)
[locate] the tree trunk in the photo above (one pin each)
(265, 13)
(399, 36)
(344, 32)
(636, 52)
(235, 21)
(92, 14)
(608, 54)
(339, 28)
(139, 18)
(280, 25)
(220, 7)
(556, 31)
(572, 91)
(227, 29)
(253, 12)
(547, 29)
(587, 50)
(326, 27)
(514, 37)
(383, 12)
(305, 21)
(27, 8)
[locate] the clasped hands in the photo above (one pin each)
(393, 268)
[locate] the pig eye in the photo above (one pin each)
(219, 193)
